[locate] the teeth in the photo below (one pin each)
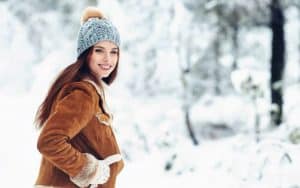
(105, 66)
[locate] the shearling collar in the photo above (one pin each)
(100, 93)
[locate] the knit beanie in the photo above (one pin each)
(95, 28)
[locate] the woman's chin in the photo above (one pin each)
(104, 75)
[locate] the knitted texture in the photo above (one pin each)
(95, 30)
(84, 177)
(96, 171)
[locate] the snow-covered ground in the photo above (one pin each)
(151, 131)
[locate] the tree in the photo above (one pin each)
(277, 59)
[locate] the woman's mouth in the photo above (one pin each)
(105, 66)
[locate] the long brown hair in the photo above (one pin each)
(72, 73)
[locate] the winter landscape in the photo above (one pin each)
(192, 102)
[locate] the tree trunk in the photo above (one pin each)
(185, 56)
(217, 54)
(257, 120)
(277, 59)
(235, 43)
(189, 126)
(299, 46)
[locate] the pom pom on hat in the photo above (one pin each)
(90, 12)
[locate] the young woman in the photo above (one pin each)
(77, 143)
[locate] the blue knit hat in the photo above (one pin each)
(95, 28)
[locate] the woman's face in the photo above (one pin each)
(103, 59)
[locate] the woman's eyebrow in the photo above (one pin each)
(104, 48)
(99, 47)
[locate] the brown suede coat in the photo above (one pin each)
(75, 126)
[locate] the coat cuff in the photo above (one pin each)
(94, 172)
(102, 173)
(84, 177)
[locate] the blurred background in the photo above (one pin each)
(208, 93)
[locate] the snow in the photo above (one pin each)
(229, 162)
(147, 108)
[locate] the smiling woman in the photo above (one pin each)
(77, 143)
(103, 59)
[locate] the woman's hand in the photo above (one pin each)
(95, 171)
(103, 169)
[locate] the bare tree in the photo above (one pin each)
(277, 59)
(184, 55)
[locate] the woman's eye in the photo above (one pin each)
(114, 52)
(98, 50)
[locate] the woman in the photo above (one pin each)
(77, 143)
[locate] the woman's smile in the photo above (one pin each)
(105, 67)
(103, 59)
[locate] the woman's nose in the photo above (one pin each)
(106, 57)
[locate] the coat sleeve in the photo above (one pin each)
(70, 115)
